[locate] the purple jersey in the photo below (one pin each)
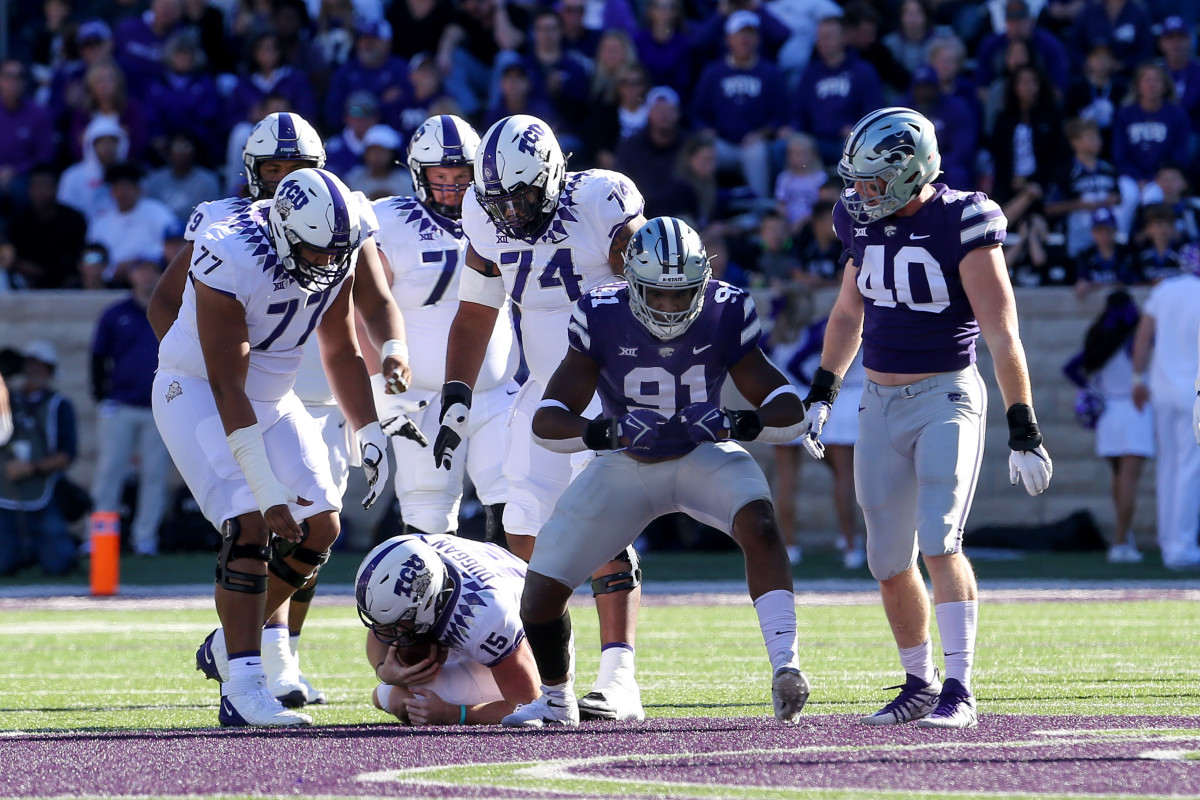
(638, 370)
(916, 316)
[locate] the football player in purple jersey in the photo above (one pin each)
(925, 276)
(658, 349)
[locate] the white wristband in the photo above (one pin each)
(396, 348)
(251, 454)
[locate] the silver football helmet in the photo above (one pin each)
(441, 141)
(315, 210)
(666, 254)
(896, 150)
(280, 137)
(519, 174)
(401, 590)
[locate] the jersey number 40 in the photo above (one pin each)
(874, 285)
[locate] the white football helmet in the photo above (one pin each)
(441, 141)
(314, 209)
(666, 254)
(519, 174)
(401, 590)
(896, 147)
(280, 137)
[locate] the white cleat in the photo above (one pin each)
(316, 697)
(556, 706)
(789, 693)
(252, 705)
(283, 672)
(955, 709)
(917, 699)
(617, 702)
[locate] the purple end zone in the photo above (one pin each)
(325, 761)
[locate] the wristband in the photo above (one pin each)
(396, 348)
(462, 715)
(454, 392)
(1023, 431)
(825, 388)
(601, 434)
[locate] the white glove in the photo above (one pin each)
(814, 422)
(1032, 468)
(401, 425)
(455, 423)
(373, 444)
(1196, 418)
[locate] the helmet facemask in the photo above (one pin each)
(518, 213)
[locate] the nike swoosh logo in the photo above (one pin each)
(696, 350)
(782, 633)
(553, 704)
(514, 391)
(915, 236)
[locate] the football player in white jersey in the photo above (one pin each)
(540, 237)
(261, 283)
(422, 246)
(445, 639)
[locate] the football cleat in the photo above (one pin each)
(616, 702)
(316, 697)
(955, 708)
(789, 693)
(556, 706)
(252, 705)
(917, 699)
(211, 657)
(283, 672)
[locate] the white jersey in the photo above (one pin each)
(213, 211)
(426, 252)
(235, 258)
(482, 620)
(546, 277)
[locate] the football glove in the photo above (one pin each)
(707, 423)
(1028, 463)
(455, 419)
(814, 422)
(403, 426)
(373, 445)
(639, 426)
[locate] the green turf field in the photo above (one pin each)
(103, 669)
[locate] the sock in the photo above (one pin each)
(957, 624)
(246, 666)
(616, 665)
(294, 643)
(275, 636)
(919, 660)
(777, 620)
(551, 646)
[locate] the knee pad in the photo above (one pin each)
(624, 581)
(494, 525)
(551, 645)
(305, 555)
(306, 595)
(232, 550)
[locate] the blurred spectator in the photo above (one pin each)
(802, 18)
(516, 97)
(372, 68)
(93, 39)
(607, 15)
(1125, 24)
(115, 10)
(662, 45)
(1027, 146)
(739, 99)
(911, 42)
(184, 100)
(578, 38)
(819, 250)
(428, 96)
(134, 228)
(253, 17)
(93, 266)
(1045, 48)
(468, 48)
(1151, 127)
(345, 150)
(956, 126)
(1170, 319)
(299, 45)
(46, 42)
(697, 169)
(1124, 432)
(1158, 253)
(418, 25)
(774, 259)
(1105, 262)
(1170, 186)
(1175, 41)
(1087, 184)
(181, 185)
(42, 446)
(380, 175)
(105, 96)
(836, 90)
(48, 236)
(946, 54)
(82, 186)
(649, 157)
(614, 55)
(333, 33)
(994, 96)
(724, 267)
(1096, 94)
(710, 38)
(606, 133)
(207, 22)
(139, 43)
(798, 186)
(124, 358)
(861, 24)
(264, 73)
(11, 280)
(26, 134)
(559, 77)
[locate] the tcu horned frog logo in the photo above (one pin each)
(292, 198)
(174, 390)
(413, 580)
